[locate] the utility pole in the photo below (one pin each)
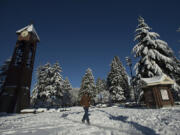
(129, 63)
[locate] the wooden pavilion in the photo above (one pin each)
(157, 91)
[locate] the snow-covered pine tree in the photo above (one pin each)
(66, 92)
(100, 85)
(74, 96)
(115, 81)
(88, 85)
(101, 91)
(57, 80)
(38, 96)
(104, 82)
(124, 82)
(66, 85)
(3, 72)
(152, 52)
(155, 57)
(48, 89)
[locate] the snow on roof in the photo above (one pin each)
(29, 28)
(162, 79)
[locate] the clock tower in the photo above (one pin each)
(15, 93)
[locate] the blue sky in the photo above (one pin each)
(86, 33)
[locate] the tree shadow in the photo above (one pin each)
(145, 130)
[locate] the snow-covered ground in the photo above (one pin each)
(104, 121)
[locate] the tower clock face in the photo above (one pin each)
(24, 33)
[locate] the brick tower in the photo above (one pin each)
(15, 93)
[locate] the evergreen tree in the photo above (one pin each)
(48, 89)
(124, 81)
(66, 85)
(100, 85)
(3, 72)
(66, 90)
(102, 95)
(74, 96)
(104, 82)
(87, 84)
(57, 80)
(115, 81)
(155, 57)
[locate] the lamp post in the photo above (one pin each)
(129, 63)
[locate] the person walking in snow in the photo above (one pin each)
(85, 102)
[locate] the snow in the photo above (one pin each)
(28, 111)
(29, 28)
(39, 110)
(104, 121)
(162, 79)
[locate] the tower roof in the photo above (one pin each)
(29, 28)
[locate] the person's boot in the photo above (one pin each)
(83, 121)
(88, 122)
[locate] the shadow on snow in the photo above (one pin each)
(145, 130)
(102, 127)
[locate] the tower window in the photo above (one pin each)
(29, 60)
(19, 54)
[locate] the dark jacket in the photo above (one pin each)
(85, 100)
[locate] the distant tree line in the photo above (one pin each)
(51, 90)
